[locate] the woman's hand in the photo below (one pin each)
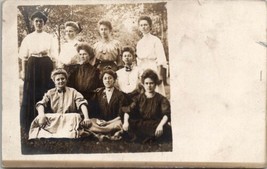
(101, 122)
(42, 120)
(125, 126)
(159, 130)
(86, 123)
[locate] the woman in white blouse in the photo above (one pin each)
(150, 51)
(37, 51)
(68, 54)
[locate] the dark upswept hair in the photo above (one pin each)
(85, 46)
(128, 49)
(39, 14)
(108, 70)
(106, 23)
(149, 73)
(147, 18)
(58, 71)
(75, 25)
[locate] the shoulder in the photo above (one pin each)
(161, 98)
(51, 92)
(120, 71)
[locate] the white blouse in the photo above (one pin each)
(127, 81)
(37, 43)
(150, 49)
(68, 52)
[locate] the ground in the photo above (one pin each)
(89, 145)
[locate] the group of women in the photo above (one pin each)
(98, 90)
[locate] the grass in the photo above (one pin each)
(89, 145)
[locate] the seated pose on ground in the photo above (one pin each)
(107, 108)
(58, 111)
(147, 116)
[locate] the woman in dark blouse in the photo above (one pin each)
(83, 76)
(148, 115)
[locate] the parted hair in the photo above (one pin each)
(106, 23)
(85, 46)
(147, 18)
(108, 70)
(58, 71)
(149, 73)
(75, 25)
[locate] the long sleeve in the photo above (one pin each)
(165, 107)
(24, 51)
(159, 52)
(44, 101)
(79, 99)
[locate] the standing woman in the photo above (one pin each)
(36, 51)
(107, 50)
(150, 51)
(68, 49)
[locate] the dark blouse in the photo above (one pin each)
(150, 108)
(84, 78)
(108, 111)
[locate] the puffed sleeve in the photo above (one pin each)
(124, 102)
(24, 51)
(159, 51)
(79, 99)
(44, 102)
(165, 107)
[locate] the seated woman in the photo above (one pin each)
(83, 76)
(148, 114)
(128, 76)
(58, 111)
(108, 103)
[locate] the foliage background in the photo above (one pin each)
(124, 19)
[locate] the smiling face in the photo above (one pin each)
(83, 56)
(127, 58)
(108, 80)
(149, 85)
(144, 26)
(104, 31)
(60, 81)
(70, 32)
(38, 24)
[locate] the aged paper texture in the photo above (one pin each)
(217, 69)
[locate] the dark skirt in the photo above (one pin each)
(144, 130)
(37, 81)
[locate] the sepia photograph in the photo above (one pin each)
(145, 83)
(94, 78)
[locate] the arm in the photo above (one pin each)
(125, 125)
(159, 129)
(42, 120)
(86, 121)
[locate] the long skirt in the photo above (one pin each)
(58, 126)
(112, 131)
(37, 82)
(145, 130)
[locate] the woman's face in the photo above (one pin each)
(60, 81)
(70, 32)
(104, 31)
(127, 58)
(38, 24)
(144, 26)
(108, 80)
(83, 56)
(149, 85)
